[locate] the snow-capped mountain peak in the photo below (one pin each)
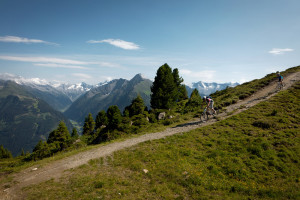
(209, 88)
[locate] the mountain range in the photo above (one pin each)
(206, 89)
(118, 92)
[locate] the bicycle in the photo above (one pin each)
(206, 112)
(279, 86)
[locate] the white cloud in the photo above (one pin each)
(16, 39)
(54, 65)
(206, 75)
(277, 51)
(43, 60)
(107, 64)
(118, 43)
(82, 76)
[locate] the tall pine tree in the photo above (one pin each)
(181, 89)
(164, 89)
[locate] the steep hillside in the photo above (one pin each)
(24, 118)
(252, 155)
(233, 95)
(118, 92)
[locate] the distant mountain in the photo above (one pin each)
(24, 118)
(206, 89)
(42, 89)
(73, 91)
(118, 92)
(59, 95)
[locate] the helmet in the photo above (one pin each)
(204, 97)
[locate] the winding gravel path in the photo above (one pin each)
(55, 169)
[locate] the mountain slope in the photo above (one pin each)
(41, 89)
(55, 98)
(73, 91)
(24, 118)
(236, 158)
(118, 92)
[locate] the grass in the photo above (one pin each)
(252, 155)
(232, 95)
(10, 166)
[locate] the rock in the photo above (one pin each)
(162, 116)
(34, 169)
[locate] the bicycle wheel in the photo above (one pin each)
(203, 116)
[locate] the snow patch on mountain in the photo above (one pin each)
(209, 88)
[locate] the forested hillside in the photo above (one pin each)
(24, 119)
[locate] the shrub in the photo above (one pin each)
(264, 124)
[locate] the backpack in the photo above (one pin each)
(280, 78)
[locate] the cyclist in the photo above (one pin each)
(280, 80)
(210, 104)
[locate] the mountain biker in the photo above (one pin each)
(280, 79)
(210, 104)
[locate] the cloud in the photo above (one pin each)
(277, 51)
(15, 39)
(206, 75)
(43, 60)
(60, 66)
(118, 43)
(82, 76)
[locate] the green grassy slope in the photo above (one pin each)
(232, 95)
(252, 155)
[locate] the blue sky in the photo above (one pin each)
(97, 40)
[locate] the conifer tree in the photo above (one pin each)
(182, 93)
(101, 119)
(41, 150)
(89, 125)
(181, 89)
(4, 153)
(195, 99)
(137, 106)
(74, 134)
(164, 89)
(114, 117)
(61, 136)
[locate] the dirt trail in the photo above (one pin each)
(56, 169)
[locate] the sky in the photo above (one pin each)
(97, 40)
